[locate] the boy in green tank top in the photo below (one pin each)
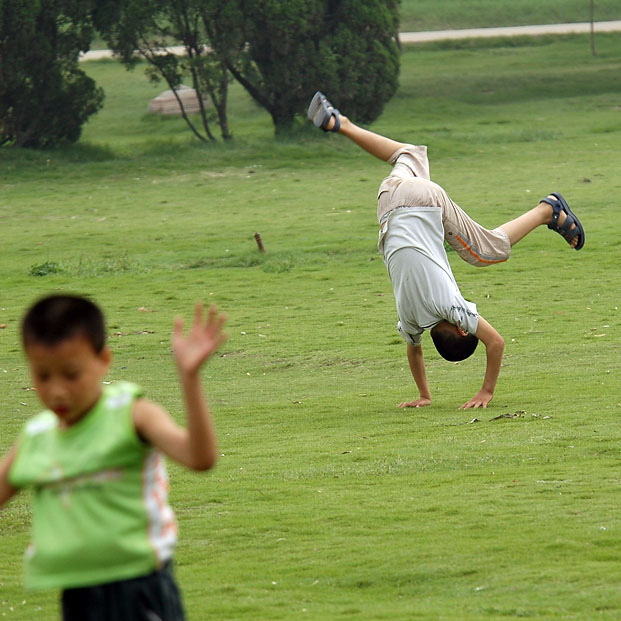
(102, 529)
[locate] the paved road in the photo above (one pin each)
(439, 35)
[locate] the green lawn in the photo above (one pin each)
(448, 14)
(328, 501)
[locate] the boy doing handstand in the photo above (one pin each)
(102, 529)
(416, 216)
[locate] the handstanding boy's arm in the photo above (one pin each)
(494, 347)
(195, 446)
(7, 491)
(417, 366)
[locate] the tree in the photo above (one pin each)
(280, 52)
(44, 97)
(145, 28)
(346, 47)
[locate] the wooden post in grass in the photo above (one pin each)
(257, 236)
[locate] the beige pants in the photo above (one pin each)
(472, 242)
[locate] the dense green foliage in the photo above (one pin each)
(328, 502)
(348, 47)
(276, 50)
(45, 98)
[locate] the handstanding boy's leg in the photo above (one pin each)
(375, 144)
(482, 247)
(328, 118)
(553, 211)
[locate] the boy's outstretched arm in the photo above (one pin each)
(7, 491)
(417, 366)
(195, 446)
(494, 347)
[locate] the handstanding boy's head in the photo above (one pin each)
(64, 341)
(452, 342)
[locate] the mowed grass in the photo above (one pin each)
(328, 501)
(454, 14)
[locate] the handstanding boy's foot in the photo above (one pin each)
(323, 114)
(564, 221)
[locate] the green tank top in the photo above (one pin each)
(100, 504)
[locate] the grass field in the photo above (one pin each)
(448, 14)
(328, 501)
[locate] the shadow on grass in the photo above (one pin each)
(73, 153)
(88, 266)
(280, 262)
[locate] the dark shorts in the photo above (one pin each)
(154, 597)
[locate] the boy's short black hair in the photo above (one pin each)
(453, 347)
(56, 318)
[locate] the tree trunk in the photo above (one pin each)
(221, 103)
(592, 19)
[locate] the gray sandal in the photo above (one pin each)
(572, 227)
(320, 111)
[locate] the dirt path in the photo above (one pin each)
(509, 31)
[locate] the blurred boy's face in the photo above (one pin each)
(68, 376)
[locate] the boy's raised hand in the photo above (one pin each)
(204, 338)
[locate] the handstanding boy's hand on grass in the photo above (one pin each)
(204, 338)
(419, 373)
(480, 400)
(494, 348)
